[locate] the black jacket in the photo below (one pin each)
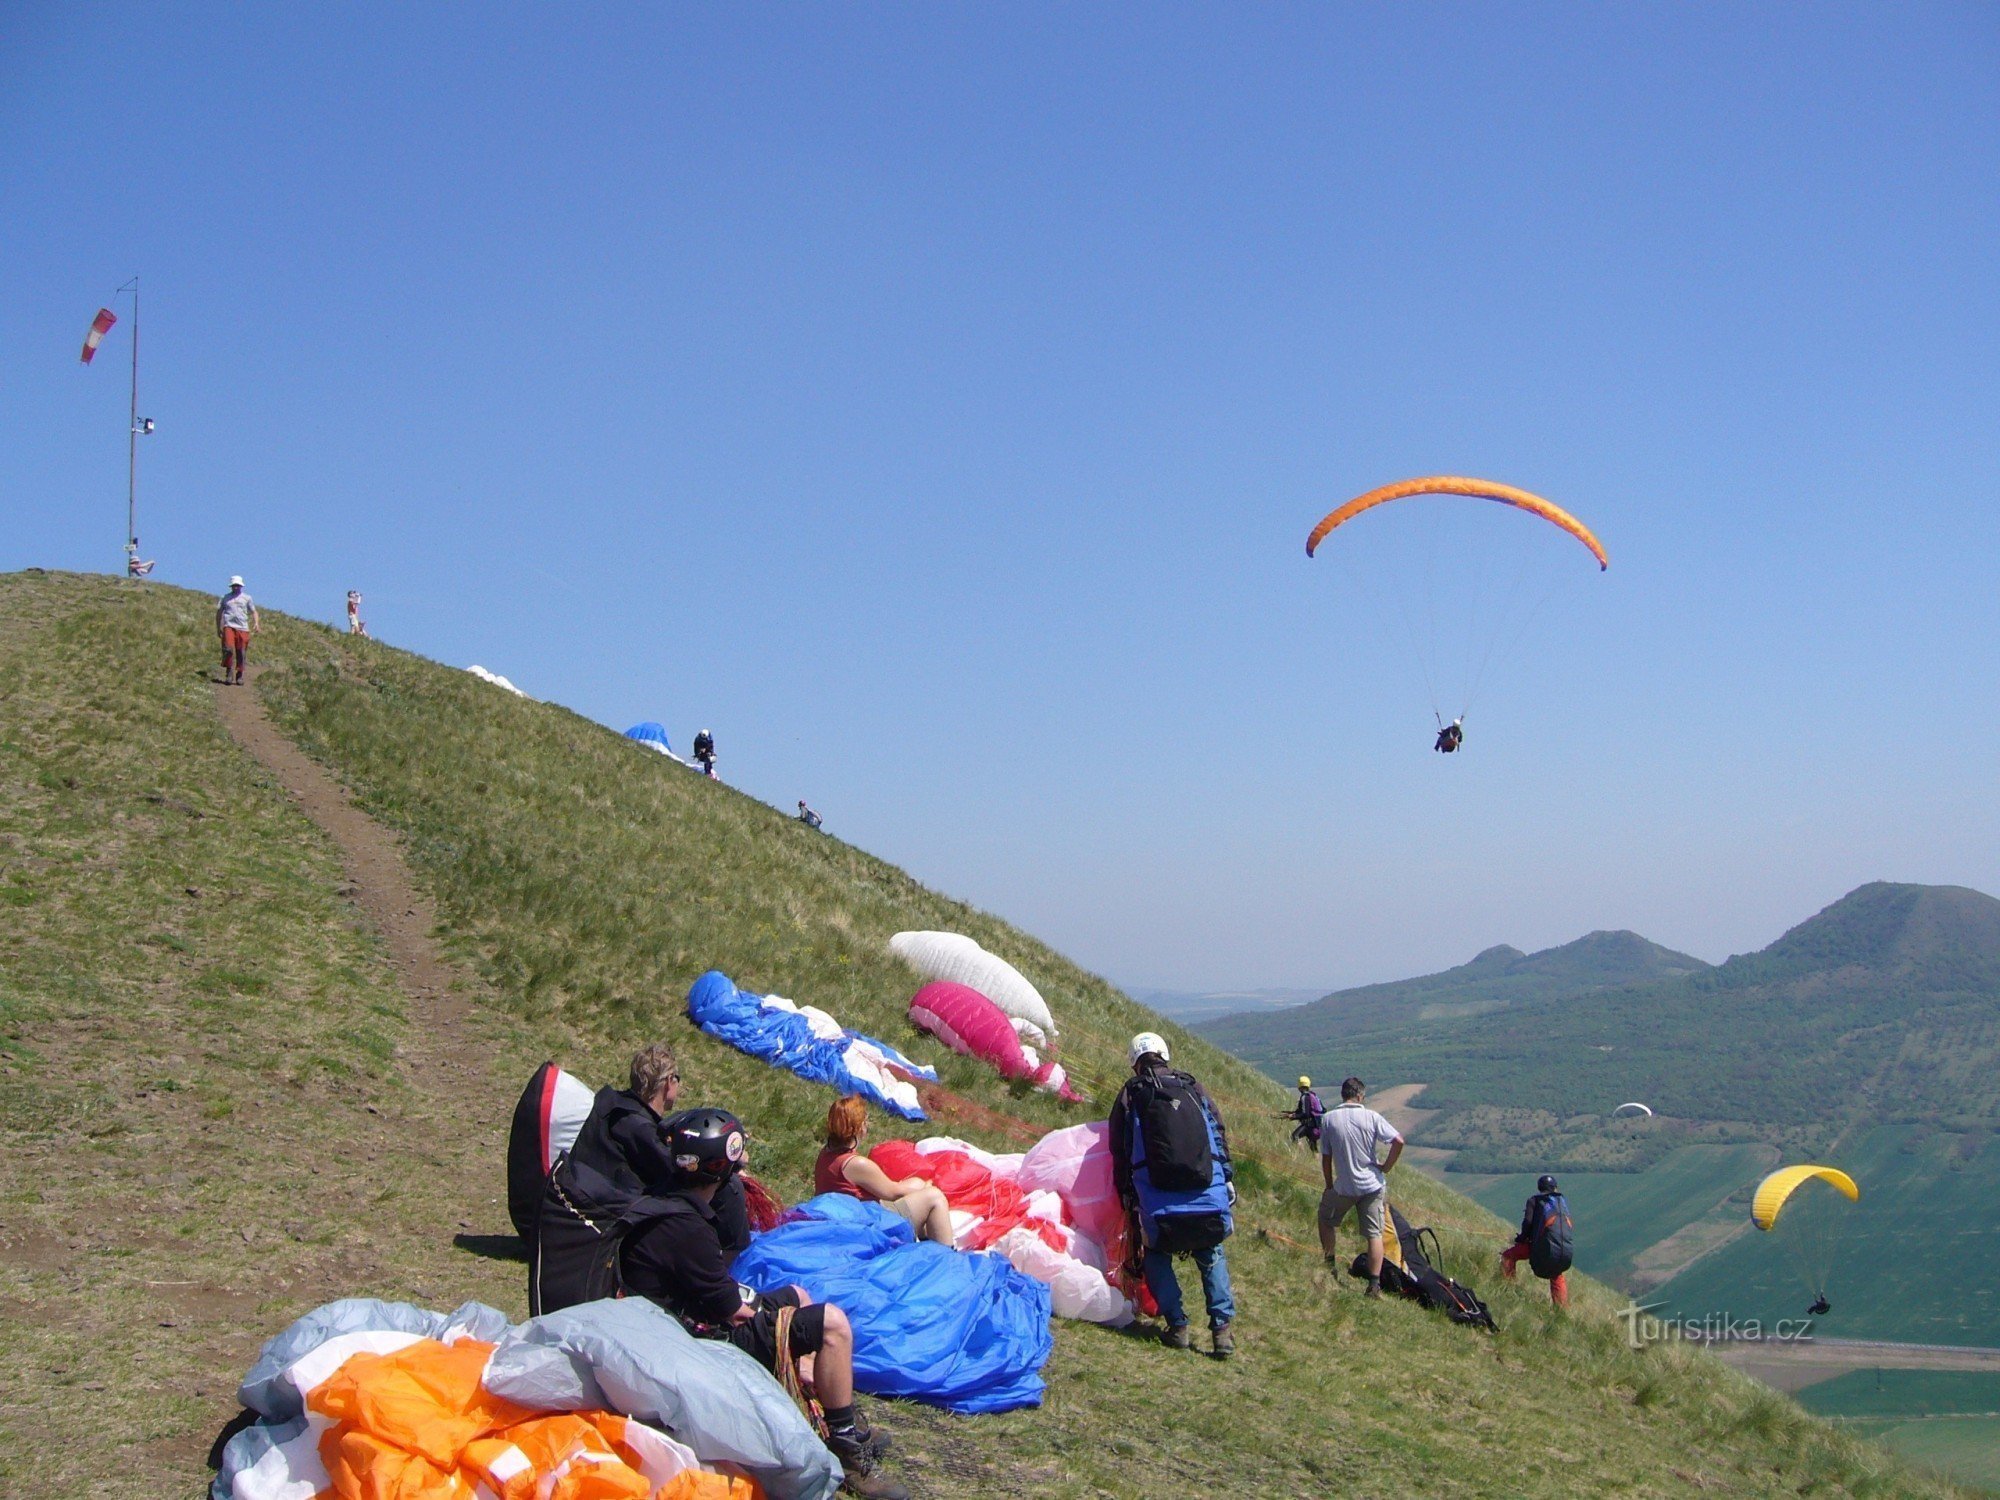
(622, 1142)
(678, 1261)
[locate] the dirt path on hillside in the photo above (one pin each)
(443, 1049)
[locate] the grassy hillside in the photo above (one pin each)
(214, 1115)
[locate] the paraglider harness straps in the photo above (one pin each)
(788, 1373)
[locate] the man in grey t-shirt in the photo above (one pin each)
(235, 619)
(1349, 1135)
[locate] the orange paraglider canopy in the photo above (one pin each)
(1451, 484)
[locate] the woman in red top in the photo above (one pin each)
(841, 1169)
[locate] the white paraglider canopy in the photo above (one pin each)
(948, 955)
(1633, 1105)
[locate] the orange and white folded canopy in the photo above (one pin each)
(391, 1416)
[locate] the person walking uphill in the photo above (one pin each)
(1546, 1241)
(235, 621)
(1349, 1134)
(1170, 1161)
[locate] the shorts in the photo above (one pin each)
(758, 1337)
(1333, 1207)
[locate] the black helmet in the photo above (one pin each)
(1543, 1184)
(705, 1144)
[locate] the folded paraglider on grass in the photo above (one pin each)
(808, 1042)
(965, 1332)
(606, 1400)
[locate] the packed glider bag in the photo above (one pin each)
(552, 1110)
(949, 956)
(388, 1401)
(973, 1026)
(808, 1042)
(965, 1332)
(1410, 1271)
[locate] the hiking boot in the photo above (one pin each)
(863, 1470)
(876, 1439)
(1374, 1289)
(1224, 1342)
(1176, 1336)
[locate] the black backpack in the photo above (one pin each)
(580, 1233)
(1415, 1274)
(1551, 1240)
(1172, 1126)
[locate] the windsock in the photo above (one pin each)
(99, 326)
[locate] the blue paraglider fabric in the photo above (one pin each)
(966, 1332)
(777, 1033)
(650, 733)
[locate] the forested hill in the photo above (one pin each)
(1497, 977)
(1888, 1000)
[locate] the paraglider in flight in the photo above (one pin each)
(1432, 623)
(1805, 1219)
(1636, 1105)
(1452, 484)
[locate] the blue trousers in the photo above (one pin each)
(1166, 1286)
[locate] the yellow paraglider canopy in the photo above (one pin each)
(1781, 1184)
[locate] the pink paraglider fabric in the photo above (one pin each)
(973, 1026)
(970, 1188)
(993, 1210)
(1075, 1165)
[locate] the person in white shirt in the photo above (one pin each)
(1349, 1135)
(235, 619)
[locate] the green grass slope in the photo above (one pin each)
(210, 1119)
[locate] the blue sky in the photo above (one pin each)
(934, 401)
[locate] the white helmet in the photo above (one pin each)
(1148, 1041)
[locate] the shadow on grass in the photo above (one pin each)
(493, 1246)
(236, 1424)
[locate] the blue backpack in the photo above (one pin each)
(1551, 1239)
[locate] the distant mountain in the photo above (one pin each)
(1500, 976)
(1884, 1005)
(1190, 1007)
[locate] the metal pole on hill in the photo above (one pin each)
(132, 444)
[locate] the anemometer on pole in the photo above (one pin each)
(139, 426)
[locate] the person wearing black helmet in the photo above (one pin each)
(621, 1140)
(1545, 1241)
(676, 1260)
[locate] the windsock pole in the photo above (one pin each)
(132, 443)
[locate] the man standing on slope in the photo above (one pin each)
(1348, 1136)
(235, 619)
(1170, 1161)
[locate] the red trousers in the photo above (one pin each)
(1513, 1255)
(234, 643)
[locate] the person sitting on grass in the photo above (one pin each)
(842, 1169)
(624, 1141)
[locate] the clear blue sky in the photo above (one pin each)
(933, 401)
